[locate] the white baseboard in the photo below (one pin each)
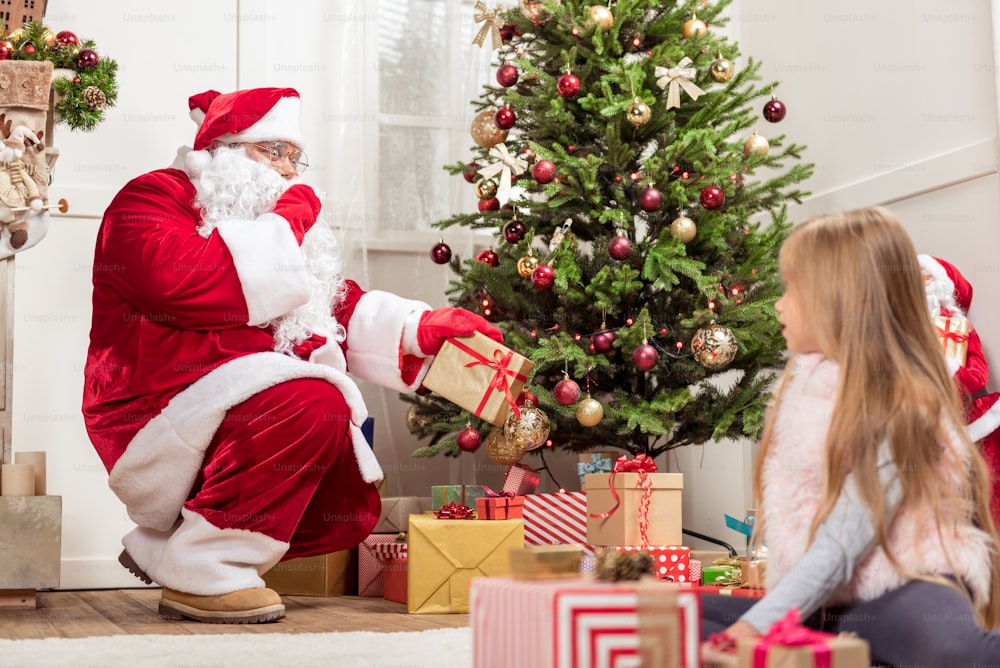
(103, 573)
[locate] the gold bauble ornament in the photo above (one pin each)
(755, 144)
(638, 113)
(589, 412)
(528, 431)
(48, 36)
(526, 265)
(683, 228)
(484, 130)
(714, 346)
(486, 188)
(601, 17)
(722, 69)
(534, 10)
(694, 27)
(500, 450)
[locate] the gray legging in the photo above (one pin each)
(920, 625)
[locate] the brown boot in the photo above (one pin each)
(126, 560)
(246, 606)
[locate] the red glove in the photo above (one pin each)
(437, 325)
(300, 207)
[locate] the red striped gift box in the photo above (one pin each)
(556, 519)
(369, 564)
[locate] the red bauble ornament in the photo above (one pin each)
(76, 80)
(543, 277)
(543, 171)
(620, 247)
(645, 357)
(471, 172)
(507, 75)
(712, 197)
(774, 110)
(440, 253)
(87, 58)
(489, 205)
(28, 48)
(508, 31)
(650, 199)
(514, 231)
(66, 38)
(526, 397)
(469, 439)
(488, 257)
(603, 341)
(568, 85)
(6, 48)
(505, 118)
(566, 392)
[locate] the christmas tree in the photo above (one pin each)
(628, 162)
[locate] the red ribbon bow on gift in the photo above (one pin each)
(495, 495)
(454, 511)
(788, 631)
(642, 464)
(949, 335)
(499, 363)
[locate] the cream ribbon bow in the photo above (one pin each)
(505, 165)
(676, 78)
(493, 24)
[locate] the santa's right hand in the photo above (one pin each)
(300, 207)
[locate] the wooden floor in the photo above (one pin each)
(78, 614)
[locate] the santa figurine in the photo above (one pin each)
(219, 386)
(949, 294)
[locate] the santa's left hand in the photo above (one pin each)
(444, 323)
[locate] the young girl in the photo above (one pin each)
(873, 501)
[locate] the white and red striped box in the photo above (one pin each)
(578, 623)
(370, 566)
(556, 519)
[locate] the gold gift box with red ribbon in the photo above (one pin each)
(954, 335)
(480, 375)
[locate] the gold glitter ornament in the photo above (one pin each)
(755, 144)
(500, 450)
(683, 228)
(638, 113)
(714, 346)
(528, 431)
(589, 412)
(721, 69)
(484, 130)
(601, 17)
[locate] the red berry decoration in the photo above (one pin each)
(488, 257)
(87, 58)
(645, 357)
(471, 172)
(28, 48)
(440, 253)
(620, 248)
(6, 48)
(505, 118)
(66, 38)
(514, 231)
(543, 171)
(568, 85)
(489, 205)
(543, 277)
(566, 392)
(712, 197)
(507, 75)
(650, 199)
(603, 341)
(774, 110)
(469, 439)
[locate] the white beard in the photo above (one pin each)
(941, 300)
(233, 186)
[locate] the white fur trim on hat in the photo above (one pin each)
(281, 123)
(937, 272)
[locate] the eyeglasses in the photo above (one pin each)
(278, 151)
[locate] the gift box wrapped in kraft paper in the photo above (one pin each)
(634, 507)
(396, 511)
(333, 574)
(583, 623)
(954, 335)
(445, 555)
(480, 375)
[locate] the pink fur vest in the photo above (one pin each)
(793, 484)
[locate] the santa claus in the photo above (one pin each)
(216, 388)
(949, 294)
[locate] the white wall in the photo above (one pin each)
(895, 100)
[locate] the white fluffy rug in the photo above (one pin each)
(360, 649)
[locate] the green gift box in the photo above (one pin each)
(442, 495)
(719, 574)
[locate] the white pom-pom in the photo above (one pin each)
(36, 204)
(195, 162)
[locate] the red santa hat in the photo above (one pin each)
(947, 274)
(256, 114)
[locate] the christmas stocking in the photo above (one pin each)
(25, 164)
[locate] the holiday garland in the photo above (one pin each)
(81, 98)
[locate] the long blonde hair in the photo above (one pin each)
(858, 281)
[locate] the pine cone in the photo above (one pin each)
(615, 565)
(94, 97)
